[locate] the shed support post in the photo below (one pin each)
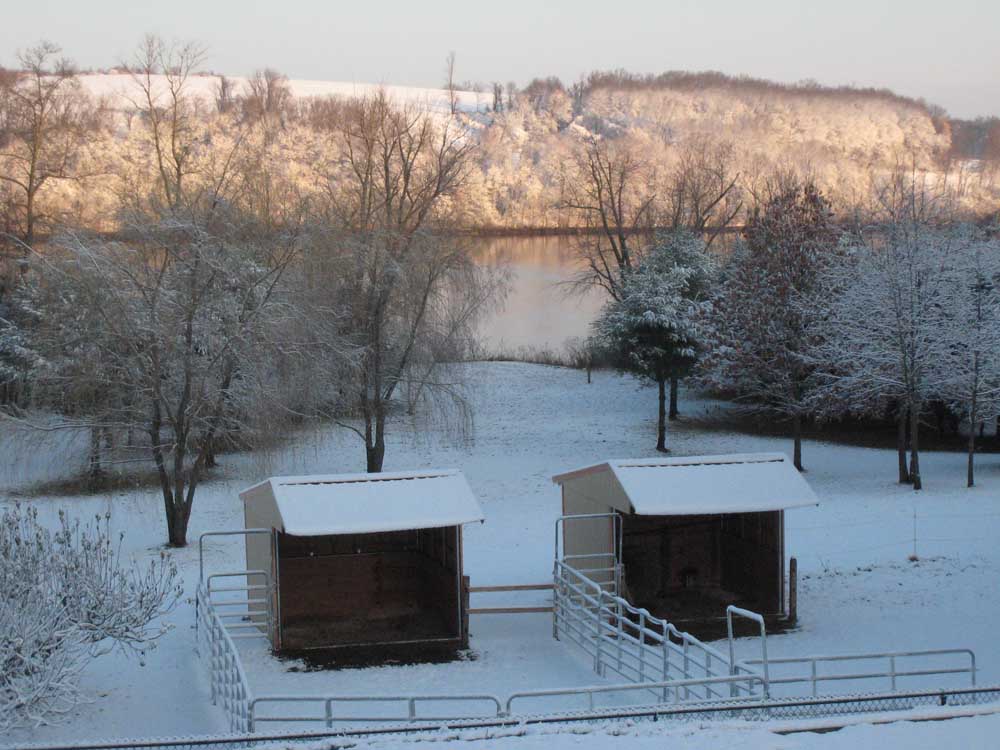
(465, 612)
(793, 590)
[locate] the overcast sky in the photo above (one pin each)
(945, 52)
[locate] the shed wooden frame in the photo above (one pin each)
(363, 560)
(712, 525)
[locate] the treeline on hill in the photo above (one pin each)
(843, 138)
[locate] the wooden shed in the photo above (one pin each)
(363, 559)
(693, 534)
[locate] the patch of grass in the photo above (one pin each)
(861, 433)
(108, 482)
(575, 354)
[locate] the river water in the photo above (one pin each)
(541, 309)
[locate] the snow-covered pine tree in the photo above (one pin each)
(762, 331)
(656, 329)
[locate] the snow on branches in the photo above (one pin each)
(69, 596)
(762, 331)
(656, 328)
(911, 317)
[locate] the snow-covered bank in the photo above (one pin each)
(858, 590)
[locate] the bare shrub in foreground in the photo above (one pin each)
(69, 596)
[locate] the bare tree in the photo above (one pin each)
(268, 94)
(449, 82)
(225, 96)
(609, 189)
(971, 362)
(398, 168)
(701, 192)
(182, 305)
(44, 118)
(497, 96)
(161, 71)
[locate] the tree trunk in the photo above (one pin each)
(374, 455)
(96, 471)
(915, 447)
(904, 472)
(176, 526)
(661, 419)
(375, 450)
(674, 381)
(970, 480)
(797, 436)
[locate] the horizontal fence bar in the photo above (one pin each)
(514, 587)
(811, 707)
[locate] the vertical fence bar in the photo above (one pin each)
(892, 672)
(642, 646)
(687, 668)
(597, 641)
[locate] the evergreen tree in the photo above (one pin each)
(655, 330)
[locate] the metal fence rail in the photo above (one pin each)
(329, 717)
(674, 687)
(229, 686)
(788, 709)
(638, 646)
(894, 667)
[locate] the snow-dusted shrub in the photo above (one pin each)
(69, 596)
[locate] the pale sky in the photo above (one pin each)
(946, 52)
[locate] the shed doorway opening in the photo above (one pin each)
(693, 567)
(382, 588)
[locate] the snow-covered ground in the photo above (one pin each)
(858, 590)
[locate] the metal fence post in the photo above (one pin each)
(598, 667)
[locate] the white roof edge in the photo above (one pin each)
(357, 477)
(722, 458)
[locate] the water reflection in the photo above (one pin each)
(541, 310)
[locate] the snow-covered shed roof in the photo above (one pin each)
(367, 503)
(695, 485)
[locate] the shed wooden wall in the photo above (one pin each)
(369, 588)
(261, 512)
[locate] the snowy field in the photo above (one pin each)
(122, 90)
(858, 590)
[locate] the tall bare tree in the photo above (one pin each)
(44, 116)
(609, 188)
(701, 193)
(398, 167)
(449, 82)
(162, 70)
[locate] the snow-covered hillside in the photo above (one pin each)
(518, 175)
(121, 90)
